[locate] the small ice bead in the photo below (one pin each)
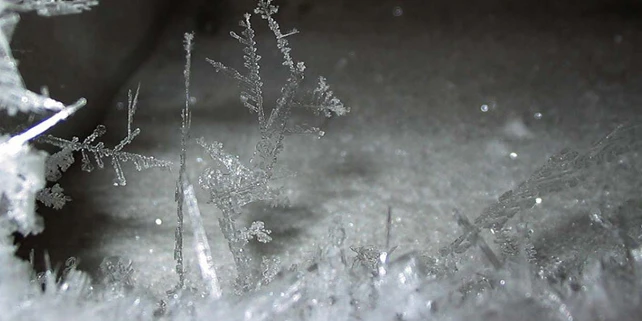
(537, 116)
(484, 108)
(512, 155)
(538, 200)
(158, 221)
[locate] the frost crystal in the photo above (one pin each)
(58, 163)
(201, 244)
(324, 101)
(99, 151)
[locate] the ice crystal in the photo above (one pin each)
(269, 268)
(372, 257)
(368, 256)
(275, 126)
(58, 163)
(324, 101)
(201, 244)
(236, 185)
(89, 147)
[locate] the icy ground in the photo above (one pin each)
(449, 111)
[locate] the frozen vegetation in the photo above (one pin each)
(563, 243)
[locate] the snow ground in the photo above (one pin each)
(448, 111)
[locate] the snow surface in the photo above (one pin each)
(448, 111)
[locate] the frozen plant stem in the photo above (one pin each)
(180, 196)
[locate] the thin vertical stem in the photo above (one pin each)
(180, 196)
